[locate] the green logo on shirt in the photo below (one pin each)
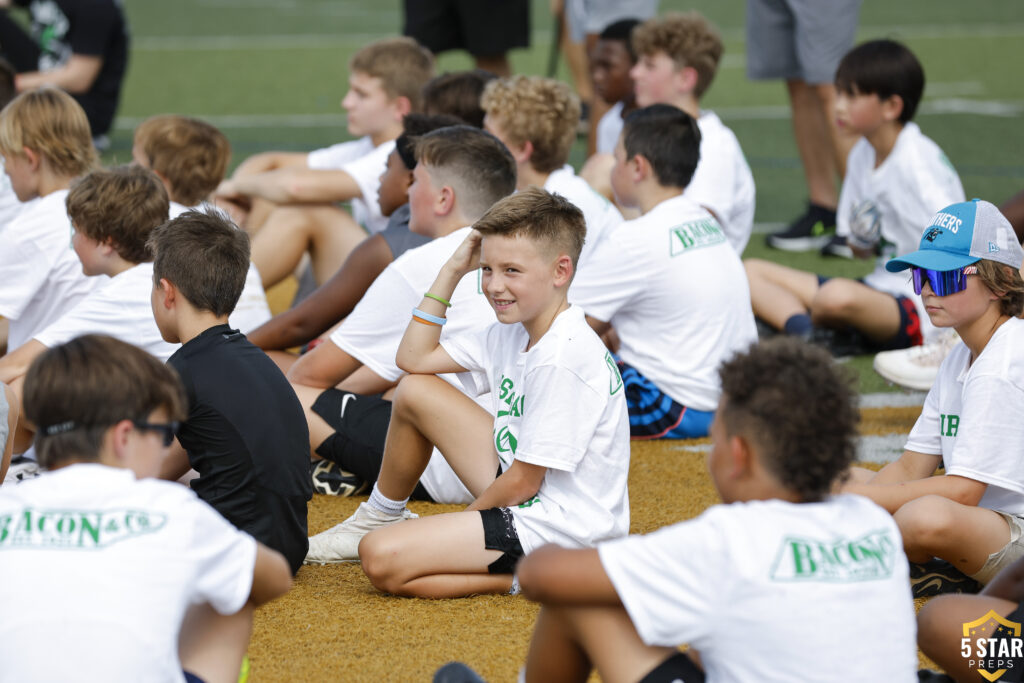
(75, 529)
(837, 560)
(614, 378)
(694, 235)
(949, 425)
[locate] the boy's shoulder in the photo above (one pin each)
(337, 155)
(571, 344)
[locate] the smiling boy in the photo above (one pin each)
(559, 438)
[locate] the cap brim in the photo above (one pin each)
(933, 259)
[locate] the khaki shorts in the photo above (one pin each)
(1006, 555)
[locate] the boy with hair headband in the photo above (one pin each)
(677, 58)
(966, 270)
(666, 281)
(386, 79)
(536, 119)
(135, 578)
(558, 437)
(756, 569)
(460, 172)
(896, 178)
(46, 143)
(190, 157)
(254, 471)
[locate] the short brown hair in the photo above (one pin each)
(76, 391)
(402, 65)
(688, 39)
(1005, 282)
(541, 111)
(539, 216)
(793, 402)
(191, 154)
(49, 122)
(121, 204)
(205, 256)
(473, 162)
(457, 94)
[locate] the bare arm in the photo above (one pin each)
(323, 367)
(597, 325)
(76, 76)
(420, 350)
(331, 302)
(517, 484)
(16, 363)
(269, 161)
(293, 185)
(1008, 583)
(896, 484)
(560, 576)
(271, 575)
(175, 464)
(13, 411)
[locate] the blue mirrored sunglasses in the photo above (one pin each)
(943, 282)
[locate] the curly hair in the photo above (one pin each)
(798, 407)
(541, 111)
(688, 39)
(1005, 282)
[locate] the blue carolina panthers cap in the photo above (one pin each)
(962, 234)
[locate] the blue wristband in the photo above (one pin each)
(437, 320)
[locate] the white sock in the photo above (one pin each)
(382, 503)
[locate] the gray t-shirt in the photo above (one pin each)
(397, 234)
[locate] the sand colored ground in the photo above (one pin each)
(334, 626)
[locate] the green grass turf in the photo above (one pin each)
(242, 60)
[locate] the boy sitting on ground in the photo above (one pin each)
(558, 439)
(896, 178)
(386, 79)
(678, 58)
(536, 119)
(610, 65)
(460, 172)
(190, 157)
(136, 578)
(756, 570)
(668, 282)
(972, 424)
(245, 434)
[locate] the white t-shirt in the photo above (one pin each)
(120, 307)
(723, 182)
(600, 215)
(677, 295)
(775, 591)
(41, 277)
(252, 309)
(10, 206)
(373, 330)
(559, 405)
(365, 163)
(903, 194)
(106, 566)
(609, 128)
(985, 400)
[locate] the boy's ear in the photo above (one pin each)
(523, 153)
(444, 203)
(686, 79)
(563, 270)
(115, 444)
(32, 156)
(640, 168)
(403, 106)
(892, 107)
(168, 293)
(741, 457)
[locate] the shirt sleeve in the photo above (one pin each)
(469, 350)
(225, 561)
(559, 419)
(990, 433)
(94, 314)
(23, 272)
(92, 27)
(672, 581)
(614, 275)
(925, 437)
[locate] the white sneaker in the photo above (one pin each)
(340, 543)
(22, 469)
(916, 367)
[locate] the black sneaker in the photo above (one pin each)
(837, 247)
(936, 576)
(840, 343)
(329, 479)
(811, 231)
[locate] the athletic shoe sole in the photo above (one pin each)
(795, 244)
(937, 577)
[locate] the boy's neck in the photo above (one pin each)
(390, 132)
(650, 193)
(50, 182)
(977, 334)
(527, 175)
(539, 325)
(117, 265)
(193, 323)
(688, 103)
(449, 224)
(883, 140)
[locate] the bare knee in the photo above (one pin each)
(834, 301)
(411, 393)
(379, 555)
(924, 522)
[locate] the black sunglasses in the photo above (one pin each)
(166, 429)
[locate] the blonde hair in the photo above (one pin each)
(1006, 283)
(49, 122)
(190, 154)
(402, 65)
(688, 39)
(541, 111)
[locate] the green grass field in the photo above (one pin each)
(272, 74)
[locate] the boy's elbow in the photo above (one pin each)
(272, 577)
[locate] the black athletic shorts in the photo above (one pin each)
(676, 669)
(360, 425)
(485, 28)
(500, 534)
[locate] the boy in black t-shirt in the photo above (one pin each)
(246, 434)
